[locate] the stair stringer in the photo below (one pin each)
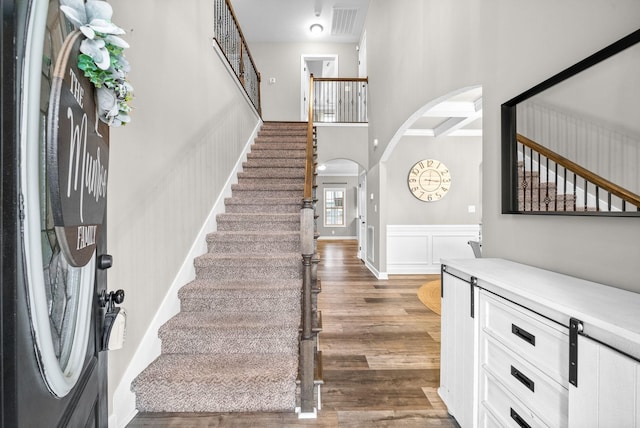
(124, 400)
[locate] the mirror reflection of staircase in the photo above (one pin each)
(537, 195)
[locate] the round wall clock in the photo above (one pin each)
(429, 180)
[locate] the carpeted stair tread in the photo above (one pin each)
(266, 182)
(218, 383)
(230, 324)
(275, 171)
(262, 185)
(202, 288)
(255, 242)
(264, 209)
(280, 129)
(256, 176)
(249, 266)
(245, 236)
(241, 296)
(266, 205)
(254, 222)
(267, 151)
(281, 139)
(265, 201)
(232, 332)
(267, 129)
(269, 148)
(280, 259)
(274, 163)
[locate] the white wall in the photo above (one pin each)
(282, 101)
(556, 35)
(429, 48)
(461, 155)
(416, 53)
(342, 142)
(169, 166)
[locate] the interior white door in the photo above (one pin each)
(362, 216)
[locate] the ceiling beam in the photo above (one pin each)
(454, 124)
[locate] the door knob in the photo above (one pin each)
(112, 298)
(105, 261)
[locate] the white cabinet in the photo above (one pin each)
(458, 358)
(508, 358)
(608, 391)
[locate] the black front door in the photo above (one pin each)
(54, 371)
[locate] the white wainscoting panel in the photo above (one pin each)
(417, 249)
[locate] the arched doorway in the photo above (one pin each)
(342, 202)
(420, 231)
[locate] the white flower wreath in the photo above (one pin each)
(102, 59)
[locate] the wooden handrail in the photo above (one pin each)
(342, 79)
(308, 171)
(590, 176)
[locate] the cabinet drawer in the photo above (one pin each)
(501, 409)
(542, 395)
(543, 343)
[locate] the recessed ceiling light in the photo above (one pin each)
(322, 167)
(316, 29)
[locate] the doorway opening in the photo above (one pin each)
(320, 65)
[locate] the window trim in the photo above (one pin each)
(325, 208)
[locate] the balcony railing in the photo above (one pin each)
(232, 43)
(340, 100)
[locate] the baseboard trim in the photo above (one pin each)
(124, 400)
(376, 272)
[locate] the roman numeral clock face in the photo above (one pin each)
(429, 180)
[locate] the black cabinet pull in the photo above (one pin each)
(516, 417)
(523, 334)
(523, 379)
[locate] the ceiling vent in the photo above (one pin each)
(343, 21)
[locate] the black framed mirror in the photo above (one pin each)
(571, 144)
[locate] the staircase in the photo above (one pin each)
(234, 345)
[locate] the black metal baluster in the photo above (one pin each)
(531, 178)
(539, 181)
(575, 193)
(586, 188)
(564, 199)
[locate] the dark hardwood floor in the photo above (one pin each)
(381, 355)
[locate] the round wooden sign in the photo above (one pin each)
(77, 157)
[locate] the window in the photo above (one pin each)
(334, 207)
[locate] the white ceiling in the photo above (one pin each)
(289, 20)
